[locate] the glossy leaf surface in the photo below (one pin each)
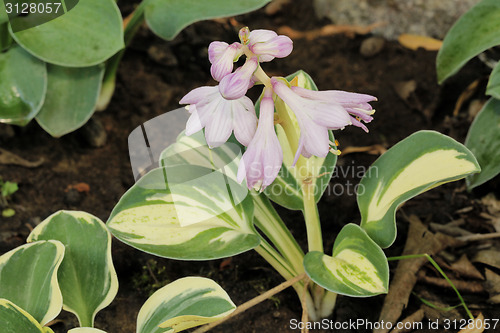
(182, 304)
(28, 278)
(87, 277)
(476, 31)
(357, 267)
(71, 98)
(423, 160)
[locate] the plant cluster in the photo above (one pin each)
(214, 192)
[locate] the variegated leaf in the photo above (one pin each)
(186, 212)
(87, 277)
(193, 150)
(86, 330)
(13, 319)
(483, 140)
(357, 267)
(182, 304)
(286, 190)
(420, 162)
(28, 278)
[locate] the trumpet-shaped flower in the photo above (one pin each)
(235, 85)
(269, 45)
(262, 160)
(220, 116)
(357, 105)
(317, 112)
(222, 56)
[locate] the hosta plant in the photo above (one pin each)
(59, 59)
(67, 264)
(212, 194)
(475, 32)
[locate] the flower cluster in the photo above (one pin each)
(224, 108)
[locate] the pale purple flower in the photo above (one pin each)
(220, 116)
(235, 85)
(262, 160)
(317, 112)
(357, 105)
(268, 45)
(222, 56)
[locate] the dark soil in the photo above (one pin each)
(152, 78)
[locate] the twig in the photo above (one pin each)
(305, 314)
(476, 237)
(254, 301)
(151, 273)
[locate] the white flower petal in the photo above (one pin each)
(219, 127)
(244, 120)
(199, 94)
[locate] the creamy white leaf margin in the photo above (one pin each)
(422, 161)
(9, 309)
(55, 301)
(84, 218)
(357, 267)
(183, 304)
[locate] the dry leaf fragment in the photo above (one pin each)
(471, 287)
(489, 257)
(492, 286)
(414, 42)
(6, 157)
(419, 240)
(415, 317)
(450, 229)
(465, 268)
(328, 30)
(477, 327)
(466, 95)
(372, 150)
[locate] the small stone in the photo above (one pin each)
(72, 197)
(372, 46)
(94, 133)
(276, 314)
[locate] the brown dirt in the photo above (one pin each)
(147, 87)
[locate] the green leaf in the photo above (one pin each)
(186, 212)
(14, 319)
(422, 161)
(71, 99)
(28, 278)
(8, 212)
(357, 267)
(87, 35)
(168, 17)
(286, 190)
(86, 330)
(182, 304)
(483, 140)
(9, 188)
(493, 88)
(87, 277)
(22, 87)
(3, 14)
(476, 31)
(5, 38)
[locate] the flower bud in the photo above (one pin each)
(222, 56)
(235, 85)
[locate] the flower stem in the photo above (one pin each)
(311, 216)
(270, 223)
(275, 260)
